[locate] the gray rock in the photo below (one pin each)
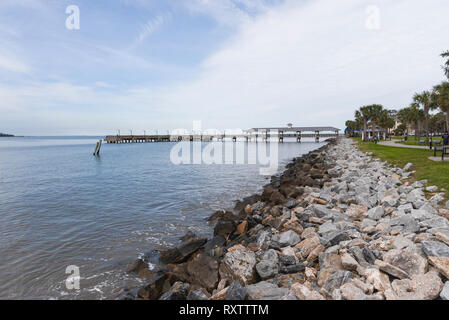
(437, 222)
(263, 237)
(368, 255)
(437, 199)
(271, 255)
(335, 279)
(435, 249)
(287, 260)
(288, 238)
(295, 268)
(321, 211)
(326, 228)
(376, 213)
(428, 208)
(265, 291)
(197, 295)
(291, 204)
(267, 269)
(432, 189)
(444, 295)
(415, 195)
(407, 221)
(325, 194)
(363, 200)
(407, 208)
(367, 223)
(178, 291)
(401, 243)
(337, 237)
(289, 296)
(238, 265)
(409, 166)
(236, 292)
(422, 214)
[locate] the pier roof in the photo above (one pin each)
(302, 129)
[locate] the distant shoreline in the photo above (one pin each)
(6, 135)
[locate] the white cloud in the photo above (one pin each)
(151, 26)
(11, 63)
(309, 63)
(229, 12)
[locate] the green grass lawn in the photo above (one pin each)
(437, 173)
(412, 142)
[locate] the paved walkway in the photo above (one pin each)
(400, 145)
(438, 159)
(392, 143)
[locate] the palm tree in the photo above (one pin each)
(440, 96)
(363, 115)
(386, 120)
(425, 100)
(375, 112)
(351, 125)
(416, 117)
(446, 65)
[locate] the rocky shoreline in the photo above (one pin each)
(337, 224)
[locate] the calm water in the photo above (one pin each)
(61, 206)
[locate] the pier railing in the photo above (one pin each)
(254, 134)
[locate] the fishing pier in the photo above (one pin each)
(254, 134)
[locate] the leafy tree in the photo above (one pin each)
(351, 125)
(363, 115)
(416, 117)
(446, 65)
(437, 122)
(400, 130)
(440, 97)
(424, 99)
(374, 112)
(386, 121)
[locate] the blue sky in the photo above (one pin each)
(148, 64)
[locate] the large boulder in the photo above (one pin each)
(376, 213)
(182, 252)
(224, 228)
(287, 238)
(435, 249)
(444, 294)
(411, 263)
(420, 287)
(178, 291)
(265, 291)
(203, 270)
(267, 269)
(302, 292)
(441, 264)
(154, 289)
(236, 292)
(238, 265)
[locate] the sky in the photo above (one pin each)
(157, 65)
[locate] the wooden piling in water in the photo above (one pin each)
(97, 149)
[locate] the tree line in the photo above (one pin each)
(417, 115)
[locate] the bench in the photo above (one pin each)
(443, 149)
(435, 143)
(422, 141)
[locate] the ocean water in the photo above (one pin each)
(60, 206)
